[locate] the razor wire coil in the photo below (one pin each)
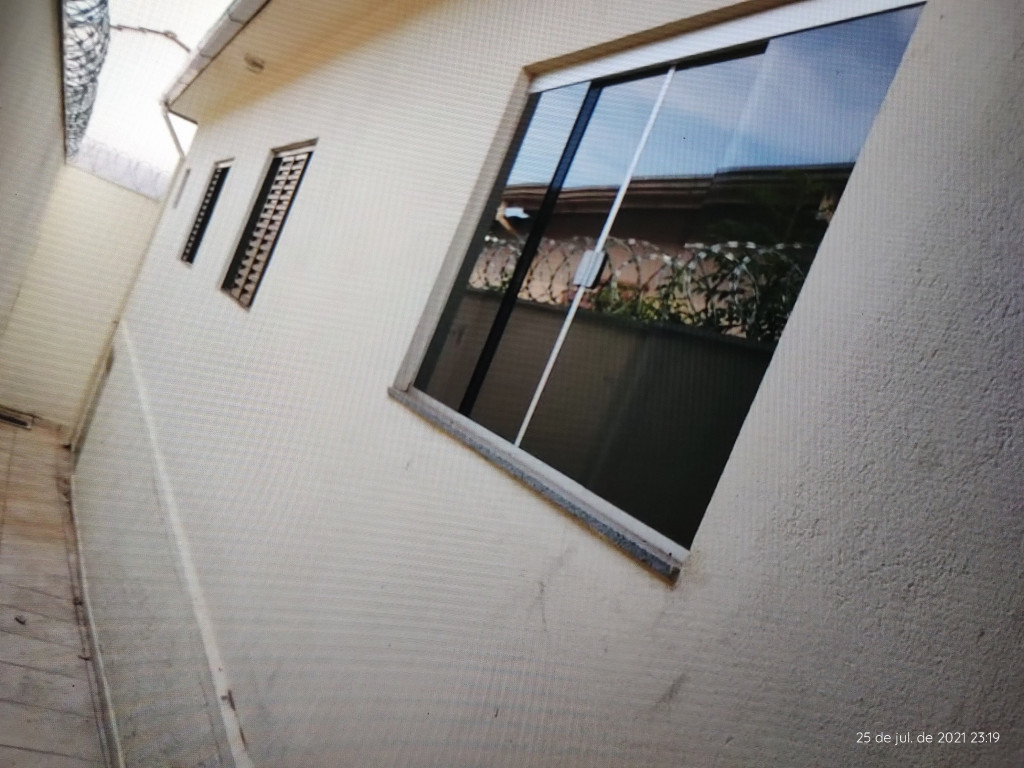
(86, 38)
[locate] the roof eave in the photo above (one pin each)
(233, 21)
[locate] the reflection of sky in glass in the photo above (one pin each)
(818, 92)
(613, 132)
(545, 139)
(808, 100)
(702, 108)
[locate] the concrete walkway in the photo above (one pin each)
(49, 707)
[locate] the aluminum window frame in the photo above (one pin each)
(631, 536)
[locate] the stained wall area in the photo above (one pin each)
(380, 594)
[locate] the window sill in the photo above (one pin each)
(629, 535)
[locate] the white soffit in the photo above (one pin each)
(238, 14)
(749, 29)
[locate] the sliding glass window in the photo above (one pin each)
(643, 251)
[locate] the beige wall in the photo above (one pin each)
(31, 132)
(89, 244)
(381, 595)
(155, 665)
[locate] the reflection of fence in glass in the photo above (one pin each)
(642, 414)
(738, 288)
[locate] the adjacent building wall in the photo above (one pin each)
(31, 133)
(381, 595)
(90, 242)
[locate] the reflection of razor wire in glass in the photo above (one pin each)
(86, 36)
(738, 288)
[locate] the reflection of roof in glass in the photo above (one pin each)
(809, 99)
(673, 194)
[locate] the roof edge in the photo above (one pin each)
(233, 21)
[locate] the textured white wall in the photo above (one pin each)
(90, 242)
(383, 596)
(31, 133)
(160, 692)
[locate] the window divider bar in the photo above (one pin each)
(599, 248)
(547, 208)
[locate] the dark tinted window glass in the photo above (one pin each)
(706, 253)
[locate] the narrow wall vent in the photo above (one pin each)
(195, 237)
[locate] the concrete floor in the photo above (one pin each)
(50, 714)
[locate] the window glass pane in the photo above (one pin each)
(599, 167)
(731, 198)
(470, 311)
(544, 141)
(818, 92)
(639, 407)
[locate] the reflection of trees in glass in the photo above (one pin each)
(741, 279)
(736, 288)
(783, 210)
(746, 281)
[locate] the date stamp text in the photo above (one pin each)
(927, 737)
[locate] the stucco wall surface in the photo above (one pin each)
(90, 242)
(154, 661)
(31, 133)
(381, 595)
